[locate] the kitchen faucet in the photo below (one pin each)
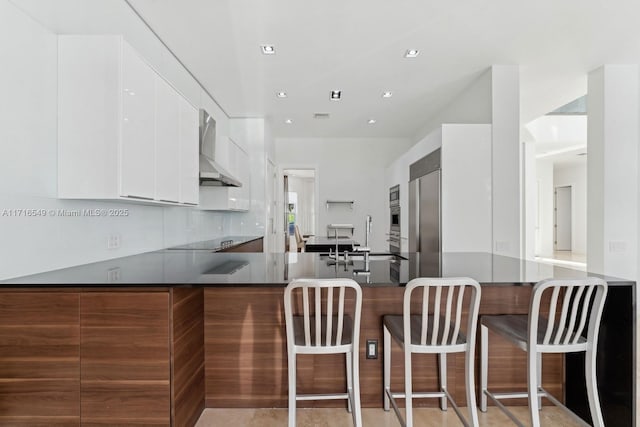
(366, 249)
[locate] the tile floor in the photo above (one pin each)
(371, 417)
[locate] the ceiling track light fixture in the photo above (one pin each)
(411, 53)
(281, 94)
(336, 95)
(268, 49)
(288, 121)
(387, 94)
(371, 121)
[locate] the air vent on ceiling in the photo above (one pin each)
(321, 115)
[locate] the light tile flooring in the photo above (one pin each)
(372, 417)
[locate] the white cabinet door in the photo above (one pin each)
(137, 154)
(167, 142)
(189, 153)
(243, 170)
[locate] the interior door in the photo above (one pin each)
(563, 218)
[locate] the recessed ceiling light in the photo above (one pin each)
(268, 49)
(281, 94)
(411, 53)
(288, 121)
(336, 95)
(387, 94)
(371, 121)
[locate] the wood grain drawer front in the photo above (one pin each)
(188, 356)
(125, 366)
(39, 358)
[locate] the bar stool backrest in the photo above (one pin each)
(323, 302)
(442, 304)
(577, 299)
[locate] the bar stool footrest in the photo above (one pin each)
(495, 397)
(322, 396)
(422, 395)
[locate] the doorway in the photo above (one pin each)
(299, 207)
(562, 219)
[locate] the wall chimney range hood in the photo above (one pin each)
(211, 173)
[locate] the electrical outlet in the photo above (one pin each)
(113, 275)
(372, 349)
(113, 242)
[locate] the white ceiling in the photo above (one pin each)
(357, 46)
(561, 139)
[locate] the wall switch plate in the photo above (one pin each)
(372, 349)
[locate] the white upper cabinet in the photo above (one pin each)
(189, 152)
(167, 142)
(123, 131)
(138, 117)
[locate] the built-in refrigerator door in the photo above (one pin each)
(430, 240)
(425, 232)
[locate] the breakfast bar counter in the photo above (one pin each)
(157, 337)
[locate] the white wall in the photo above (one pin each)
(575, 175)
(505, 102)
(346, 169)
(466, 188)
(472, 105)
(612, 175)
(28, 168)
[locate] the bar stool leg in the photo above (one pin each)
(292, 390)
(407, 387)
(532, 385)
(356, 388)
(539, 378)
(592, 387)
(442, 362)
(469, 360)
(349, 379)
(387, 367)
(484, 366)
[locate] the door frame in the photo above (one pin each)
(282, 198)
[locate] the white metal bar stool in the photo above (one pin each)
(328, 328)
(435, 333)
(581, 299)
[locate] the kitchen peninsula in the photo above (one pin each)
(157, 337)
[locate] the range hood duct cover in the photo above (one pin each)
(211, 173)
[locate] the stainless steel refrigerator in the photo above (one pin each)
(425, 216)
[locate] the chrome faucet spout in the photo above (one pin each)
(367, 229)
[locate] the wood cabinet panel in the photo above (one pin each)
(188, 386)
(39, 358)
(246, 360)
(125, 365)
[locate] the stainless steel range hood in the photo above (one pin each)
(211, 173)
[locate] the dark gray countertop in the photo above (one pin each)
(202, 267)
